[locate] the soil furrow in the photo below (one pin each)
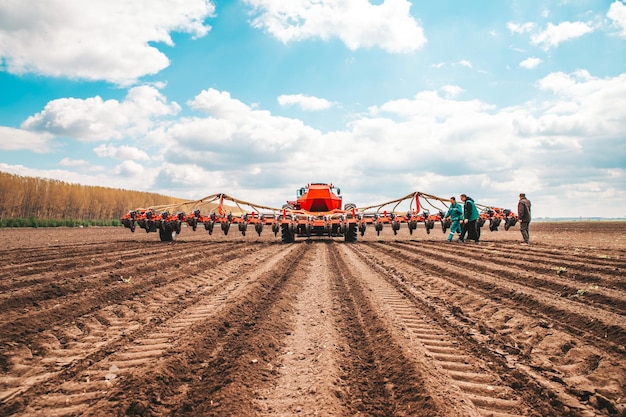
(601, 326)
(382, 380)
(220, 366)
(566, 280)
(561, 366)
(443, 352)
(100, 321)
(67, 348)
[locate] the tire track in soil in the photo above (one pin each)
(559, 279)
(604, 327)
(308, 381)
(233, 358)
(29, 285)
(473, 379)
(381, 377)
(128, 327)
(563, 368)
(580, 268)
(221, 367)
(61, 292)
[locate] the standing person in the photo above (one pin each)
(470, 215)
(455, 213)
(523, 214)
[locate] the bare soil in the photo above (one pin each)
(101, 321)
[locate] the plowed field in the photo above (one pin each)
(101, 321)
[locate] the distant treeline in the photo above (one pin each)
(39, 202)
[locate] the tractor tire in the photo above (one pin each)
(286, 234)
(349, 206)
(351, 233)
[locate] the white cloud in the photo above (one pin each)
(129, 169)
(553, 35)
(12, 139)
(358, 23)
(617, 13)
(74, 163)
(452, 91)
(530, 63)
(305, 102)
(94, 119)
(585, 107)
(108, 40)
(465, 63)
(123, 152)
(232, 133)
(96, 176)
(218, 104)
(520, 28)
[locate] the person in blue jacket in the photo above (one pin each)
(470, 215)
(455, 214)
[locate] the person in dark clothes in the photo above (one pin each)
(523, 214)
(470, 215)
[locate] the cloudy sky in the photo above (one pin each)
(256, 98)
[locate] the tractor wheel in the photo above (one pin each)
(349, 206)
(351, 233)
(286, 233)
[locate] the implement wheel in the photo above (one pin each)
(287, 235)
(167, 233)
(351, 233)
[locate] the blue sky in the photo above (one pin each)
(256, 98)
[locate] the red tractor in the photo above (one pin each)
(318, 212)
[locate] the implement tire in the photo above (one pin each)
(287, 235)
(351, 233)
